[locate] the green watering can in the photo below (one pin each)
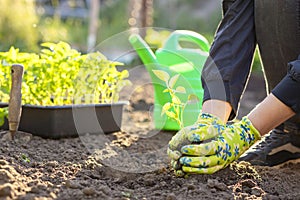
(175, 59)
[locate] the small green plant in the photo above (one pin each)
(175, 108)
(24, 158)
(3, 115)
(60, 75)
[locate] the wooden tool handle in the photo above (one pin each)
(15, 101)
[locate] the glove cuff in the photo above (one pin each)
(253, 133)
(210, 117)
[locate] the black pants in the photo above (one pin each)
(277, 24)
(272, 24)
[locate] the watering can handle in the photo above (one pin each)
(188, 36)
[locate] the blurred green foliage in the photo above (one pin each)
(256, 64)
(156, 38)
(201, 16)
(60, 75)
(73, 31)
(3, 115)
(114, 16)
(23, 28)
(18, 22)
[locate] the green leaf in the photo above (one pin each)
(173, 80)
(192, 98)
(171, 114)
(115, 63)
(24, 158)
(165, 108)
(162, 75)
(3, 115)
(180, 89)
(176, 100)
(166, 90)
(50, 45)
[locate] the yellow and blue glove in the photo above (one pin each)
(206, 127)
(208, 158)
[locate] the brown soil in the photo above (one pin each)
(132, 163)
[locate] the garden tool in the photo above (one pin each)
(15, 101)
(174, 59)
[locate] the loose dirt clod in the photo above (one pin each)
(88, 191)
(213, 183)
(5, 176)
(6, 190)
(72, 184)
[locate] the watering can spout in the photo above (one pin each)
(143, 50)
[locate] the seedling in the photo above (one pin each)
(60, 75)
(24, 158)
(3, 115)
(175, 108)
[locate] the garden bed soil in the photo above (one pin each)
(132, 163)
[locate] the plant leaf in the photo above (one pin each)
(180, 89)
(171, 114)
(166, 90)
(162, 75)
(173, 80)
(3, 115)
(165, 108)
(192, 98)
(176, 100)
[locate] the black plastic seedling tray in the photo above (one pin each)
(70, 120)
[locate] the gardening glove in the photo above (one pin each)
(207, 158)
(206, 127)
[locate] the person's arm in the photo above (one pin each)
(218, 108)
(280, 105)
(235, 139)
(270, 113)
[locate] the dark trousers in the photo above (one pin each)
(277, 24)
(272, 24)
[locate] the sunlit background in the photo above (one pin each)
(26, 23)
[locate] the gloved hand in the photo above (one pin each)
(205, 128)
(207, 158)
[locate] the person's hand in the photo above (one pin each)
(207, 158)
(206, 127)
